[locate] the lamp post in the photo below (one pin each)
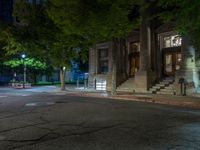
(23, 56)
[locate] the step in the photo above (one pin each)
(164, 83)
(126, 84)
(125, 90)
(153, 92)
(168, 81)
(125, 87)
(156, 87)
(169, 87)
(166, 90)
(150, 92)
(167, 93)
(152, 89)
(159, 86)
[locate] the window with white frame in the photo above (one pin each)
(172, 41)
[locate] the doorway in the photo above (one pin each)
(134, 62)
(171, 61)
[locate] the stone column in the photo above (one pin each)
(188, 69)
(144, 48)
(144, 76)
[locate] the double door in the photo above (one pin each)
(134, 62)
(171, 62)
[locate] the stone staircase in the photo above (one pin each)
(163, 87)
(127, 86)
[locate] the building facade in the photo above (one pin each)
(152, 59)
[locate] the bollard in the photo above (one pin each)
(181, 81)
(77, 83)
(95, 84)
(85, 84)
(185, 88)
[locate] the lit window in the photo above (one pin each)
(172, 41)
(103, 60)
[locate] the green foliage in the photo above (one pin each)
(30, 62)
(42, 37)
(185, 15)
(93, 19)
(9, 43)
(36, 31)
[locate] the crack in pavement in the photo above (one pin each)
(22, 127)
(93, 131)
(44, 120)
(45, 138)
(178, 146)
(34, 141)
(18, 114)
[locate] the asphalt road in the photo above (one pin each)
(61, 122)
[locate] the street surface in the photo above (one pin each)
(49, 121)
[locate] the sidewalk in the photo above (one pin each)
(183, 101)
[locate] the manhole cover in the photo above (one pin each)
(39, 104)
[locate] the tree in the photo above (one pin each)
(40, 37)
(35, 66)
(95, 20)
(185, 15)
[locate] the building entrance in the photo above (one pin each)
(171, 61)
(134, 62)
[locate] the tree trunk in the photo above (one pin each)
(35, 78)
(114, 66)
(62, 79)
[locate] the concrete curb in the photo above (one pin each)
(145, 99)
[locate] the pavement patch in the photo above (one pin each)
(39, 104)
(25, 95)
(60, 94)
(3, 96)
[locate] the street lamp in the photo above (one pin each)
(23, 56)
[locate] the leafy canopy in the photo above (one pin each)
(30, 62)
(186, 16)
(93, 19)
